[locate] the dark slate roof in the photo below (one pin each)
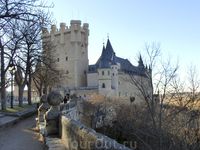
(104, 60)
(93, 68)
(126, 66)
(113, 62)
(109, 50)
(140, 62)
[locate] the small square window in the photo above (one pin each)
(115, 67)
(67, 72)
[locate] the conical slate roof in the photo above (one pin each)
(107, 57)
(140, 62)
(114, 60)
(109, 50)
(104, 61)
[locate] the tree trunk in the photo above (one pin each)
(29, 90)
(3, 93)
(21, 91)
(40, 92)
(3, 90)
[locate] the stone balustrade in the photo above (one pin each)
(64, 120)
(43, 108)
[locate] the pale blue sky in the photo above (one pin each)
(131, 23)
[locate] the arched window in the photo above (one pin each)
(103, 85)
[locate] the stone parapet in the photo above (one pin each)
(51, 118)
(43, 108)
(77, 136)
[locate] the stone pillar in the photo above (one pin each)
(43, 108)
(51, 121)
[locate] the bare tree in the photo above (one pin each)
(193, 79)
(9, 11)
(47, 74)
(159, 120)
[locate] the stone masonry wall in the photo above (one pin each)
(77, 136)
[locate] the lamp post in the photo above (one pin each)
(12, 72)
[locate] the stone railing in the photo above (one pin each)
(64, 120)
(75, 135)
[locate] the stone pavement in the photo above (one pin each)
(9, 119)
(21, 136)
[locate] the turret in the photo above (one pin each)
(140, 62)
(76, 31)
(44, 30)
(62, 29)
(85, 27)
(114, 74)
(53, 30)
(104, 73)
(141, 66)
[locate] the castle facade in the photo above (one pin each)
(108, 76)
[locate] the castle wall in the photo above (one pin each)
(84, 93)
(71, 44)
(92, 79)
(128, 89)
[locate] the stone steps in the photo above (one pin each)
(7, 121)
(2, 115)
(23, 113)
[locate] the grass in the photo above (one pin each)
(18, 109)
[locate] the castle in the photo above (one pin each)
(108, 76)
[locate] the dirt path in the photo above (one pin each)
(21, 136)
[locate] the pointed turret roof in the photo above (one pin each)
(114, 60)
(149, 67)
(146, 66)
(140, 62)
(109, 50)
(104, 61)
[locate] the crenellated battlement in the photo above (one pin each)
(71, 50)
(75, 27)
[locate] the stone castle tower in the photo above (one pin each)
(71, 51)
(104, 73)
